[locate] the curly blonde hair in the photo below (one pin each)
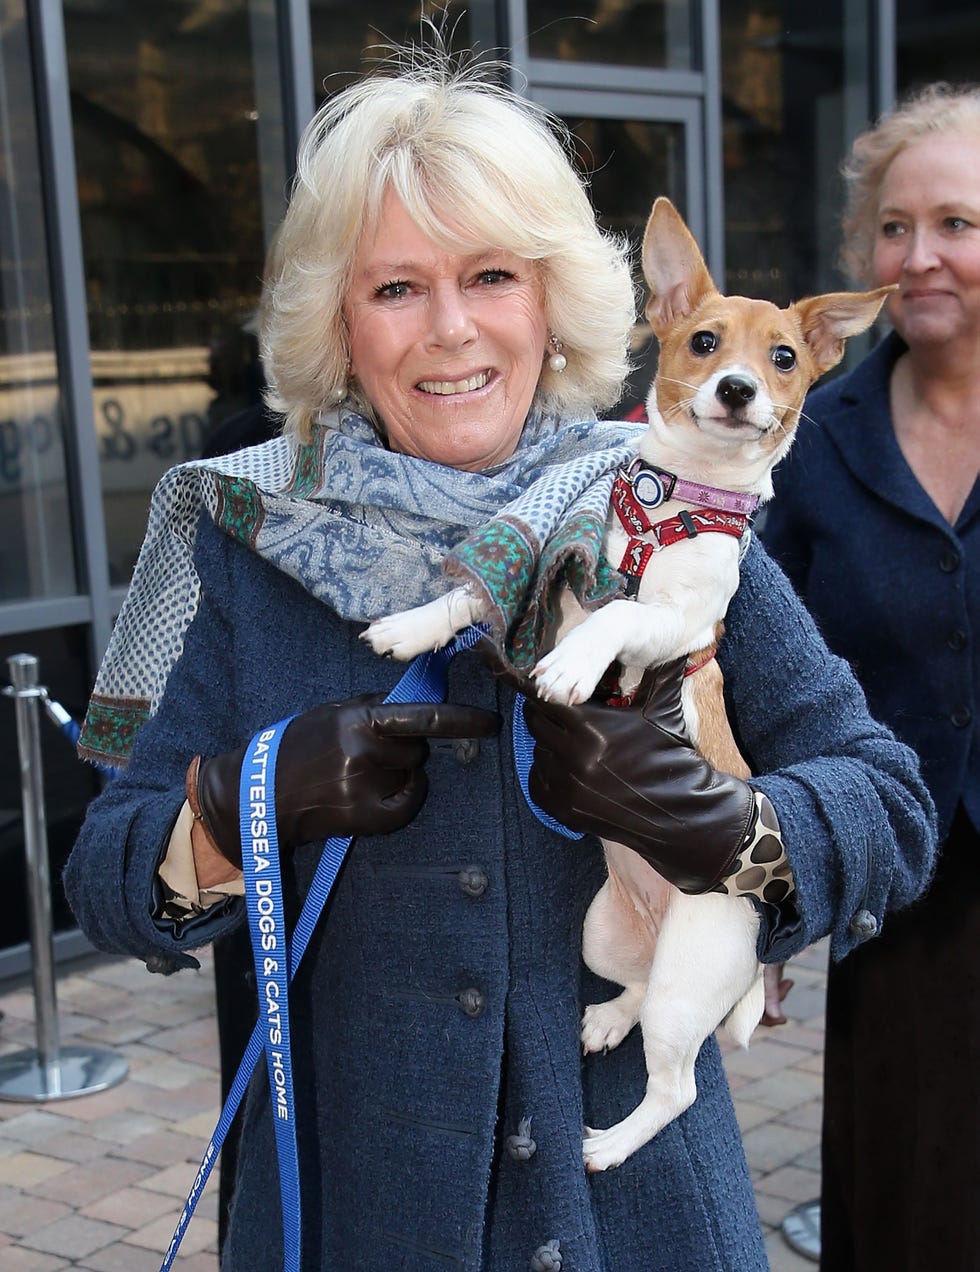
(471, 161)
(937, 109)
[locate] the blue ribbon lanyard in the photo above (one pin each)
(523, 759)
(267, 928)
(277, 959)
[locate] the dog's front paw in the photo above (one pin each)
(563, 678)
(399, 636)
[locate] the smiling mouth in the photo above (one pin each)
(443, 388)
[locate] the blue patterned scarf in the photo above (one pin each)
(368, 532)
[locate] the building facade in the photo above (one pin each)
(145, 156)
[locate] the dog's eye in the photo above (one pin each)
(783, 358)
(703, 343)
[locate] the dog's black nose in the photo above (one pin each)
(735, 391)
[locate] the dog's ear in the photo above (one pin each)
(673, 268)
(827, 321)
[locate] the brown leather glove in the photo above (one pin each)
(345, 768)
(631, 774)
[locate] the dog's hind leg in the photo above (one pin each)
(619, 937)
(605, 1025)
(704, 964)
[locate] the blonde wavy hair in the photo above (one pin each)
(472, 162)
(935, 110)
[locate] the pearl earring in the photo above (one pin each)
(340, 393)
(558, 362)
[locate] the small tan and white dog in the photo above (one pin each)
(723, 409)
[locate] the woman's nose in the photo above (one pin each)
(921, 254)
(451, 322)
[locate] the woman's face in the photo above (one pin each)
(447, 348)
(928, 239)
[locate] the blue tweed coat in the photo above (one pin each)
(439, 1005)
(848, 507)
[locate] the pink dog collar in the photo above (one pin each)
(654, 486)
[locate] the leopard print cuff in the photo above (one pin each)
(760, 868)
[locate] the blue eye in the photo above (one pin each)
(703, 343)
(783, 358)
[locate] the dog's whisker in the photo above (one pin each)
(679, 407)
(666, 379)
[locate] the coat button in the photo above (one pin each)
(949, 561)
(465, 750)
(472, 1002)
(864, 925)
(520, 1146)
(961, 717)
(956, 639)
(462, 750)
(546, 1258)
(473, 881)
(162, 964)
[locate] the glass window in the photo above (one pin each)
(659, 34)
(36, 558)
(936, 42)
(783, 82)
(630, 162)
(346, 42)
(175, 151)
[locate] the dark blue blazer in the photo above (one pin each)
(895, 589)
(438, 1008)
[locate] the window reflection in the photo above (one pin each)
(783, 86)
(170, 157)
(346, 39)
(658, 34)
(35, 536)
(936, 42)
(630, 162)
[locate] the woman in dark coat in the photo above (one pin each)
(877, 522)
(444, 320)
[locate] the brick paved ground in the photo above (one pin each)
(96, 1182)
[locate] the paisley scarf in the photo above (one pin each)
(368, 532)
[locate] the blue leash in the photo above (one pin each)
(523, 758)
(277, 959)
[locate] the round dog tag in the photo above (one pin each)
(648, 488)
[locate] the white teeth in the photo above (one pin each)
(455, 386)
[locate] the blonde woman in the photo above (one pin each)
(877, 521)
(444, 321)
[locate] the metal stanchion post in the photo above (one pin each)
(51, 1072)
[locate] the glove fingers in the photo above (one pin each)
(400, 807)
(432, 720)
(551, 725)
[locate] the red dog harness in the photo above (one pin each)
(641, 487)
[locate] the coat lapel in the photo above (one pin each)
(863, 433)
